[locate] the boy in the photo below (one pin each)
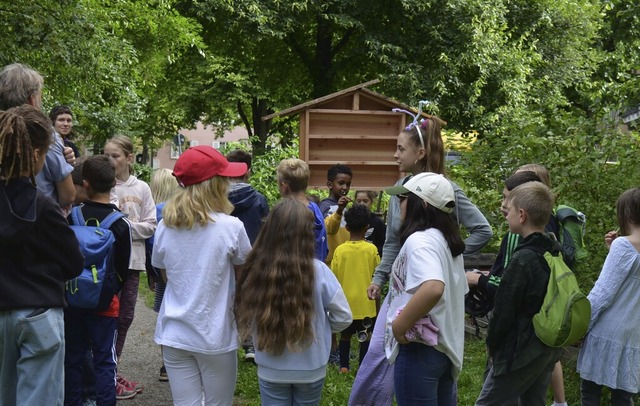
(249, 205)
(489, 283)
(332, 208)
(293, 178)
(86, 329)
(353, 264)
(522, 364)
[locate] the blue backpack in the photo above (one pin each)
(94, 288)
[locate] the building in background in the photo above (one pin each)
(166, 156)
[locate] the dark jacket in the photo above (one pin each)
(38, 250)
(250, 206)
(509, 243)
(511, 339)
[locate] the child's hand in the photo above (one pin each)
(609, 237)
(373, 292)
(342, 203)
(398, 334)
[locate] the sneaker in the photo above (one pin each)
(250, 354)
(122, 392)
(344, 370)
(136, 386)
(334, 357)
(163, 374)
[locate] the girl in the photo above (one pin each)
(38, 253)
(163, 187)
(428, 278)
(134, 200)
(290, 303)
(609, 356)
(196, 249)
(377, 228)
(419, 149)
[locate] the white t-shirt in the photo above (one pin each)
(196, 313)
(426, 256)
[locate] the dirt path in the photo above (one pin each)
(141, 360)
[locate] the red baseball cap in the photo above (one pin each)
(203, 162)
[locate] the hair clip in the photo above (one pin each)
(417, 122)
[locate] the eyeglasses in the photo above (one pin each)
(364, 334)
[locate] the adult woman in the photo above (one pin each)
(419, 149)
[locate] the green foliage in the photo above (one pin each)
(143, 172)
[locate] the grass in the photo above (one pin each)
(337, 386)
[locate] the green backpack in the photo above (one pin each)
(572, 228)
(564, 317)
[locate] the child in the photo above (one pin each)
(353, 264)
(427, 280)
(521, 363)
(525, 173)
(290, 303)
(198, 248)
(332, 208)
(163, 187)
(78, 182)
(609, 356)
(377, 229)
(96, 331)
(293, 178)
(249, 205)
(134, 200)
(38, 253)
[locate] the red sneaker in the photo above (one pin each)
(122, 392)
(132, 385)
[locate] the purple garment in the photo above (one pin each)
(423, 331)
(373, 385)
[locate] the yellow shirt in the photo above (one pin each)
(336, 234)
(353, 265)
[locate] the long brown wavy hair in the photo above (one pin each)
(274, 299)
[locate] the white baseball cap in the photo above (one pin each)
(433, 188)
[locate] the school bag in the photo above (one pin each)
(94, 288)
(572, 229)
(564, 317)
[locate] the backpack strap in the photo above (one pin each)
(77, 218)
(108, 221)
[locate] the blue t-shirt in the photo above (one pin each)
(55, 169)
(322, 247)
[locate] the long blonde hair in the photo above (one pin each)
(163, 185)
(194, 203)
(275, 291)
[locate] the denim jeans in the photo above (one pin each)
(290, 394)
(32, 351)
(422, 376)
(591, 393)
